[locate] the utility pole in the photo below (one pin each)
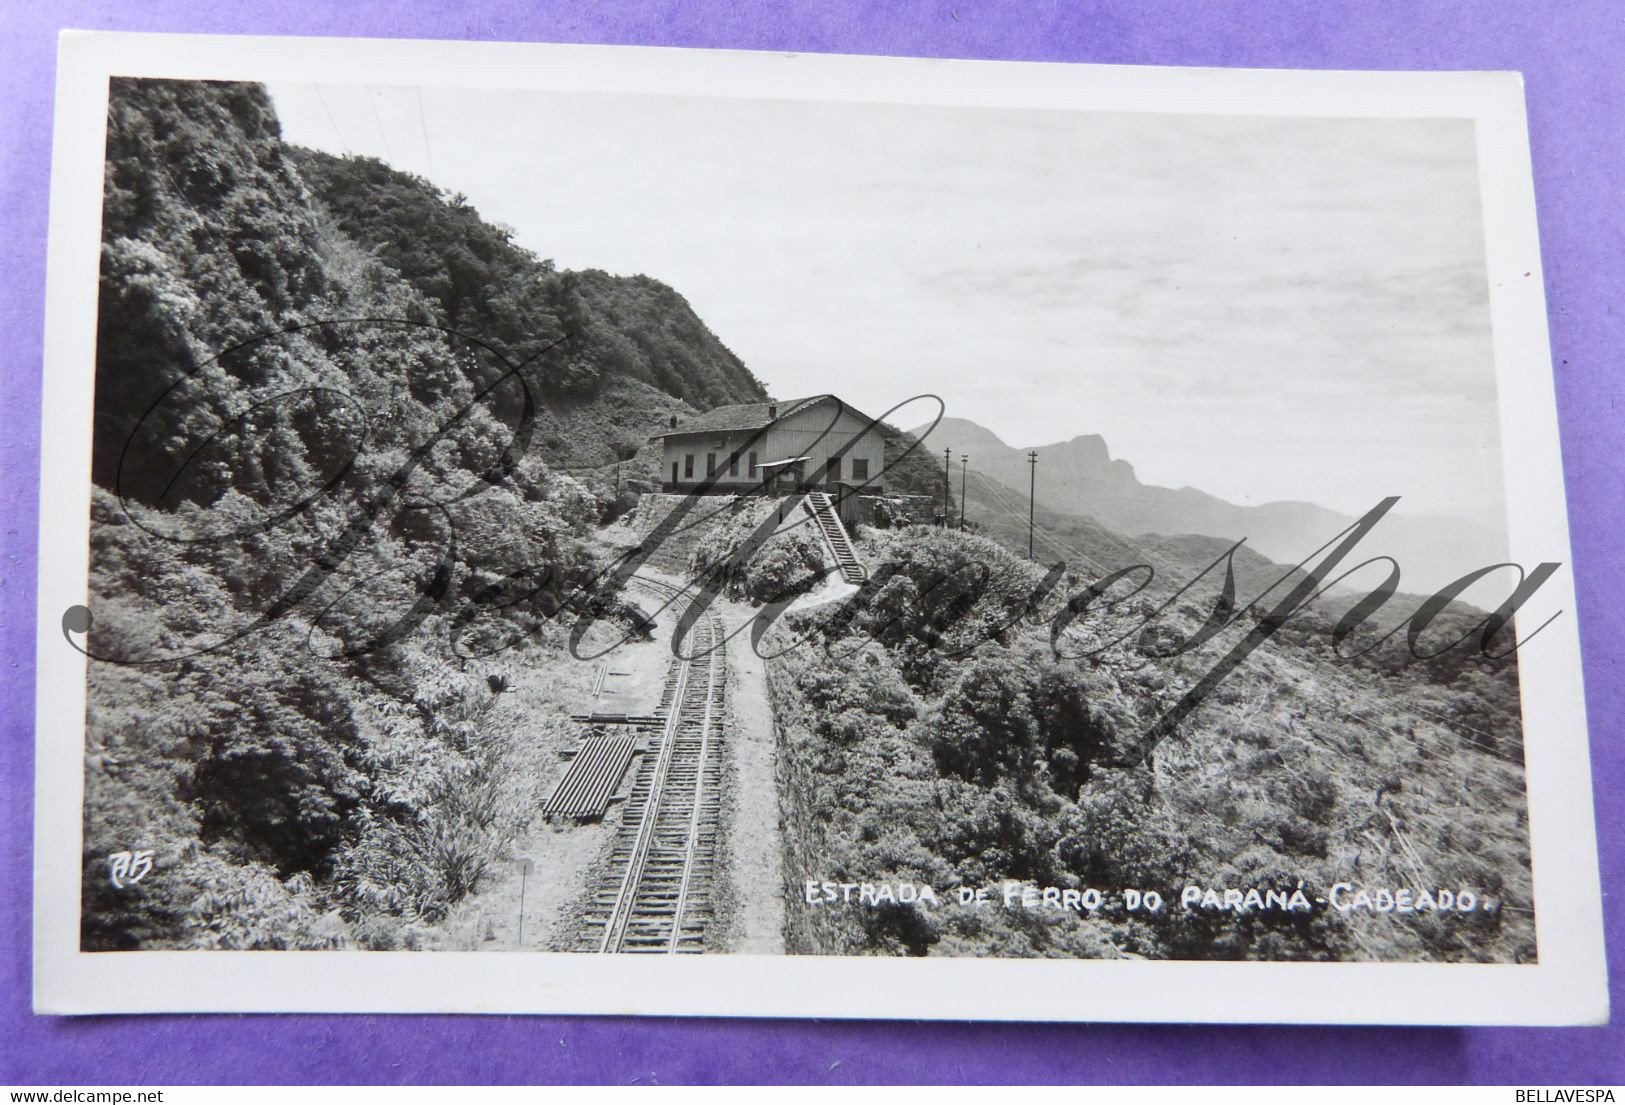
(1032, 488)
(525, 868)
(964, 472)
(623, 453)
(947, 486)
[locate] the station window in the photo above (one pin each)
(754, 470)
(733, 464)
(688, 466)
(860, 468)
(710, 464)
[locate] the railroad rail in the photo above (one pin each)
(654, 895)
(594, 774)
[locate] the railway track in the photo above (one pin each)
(655, 893)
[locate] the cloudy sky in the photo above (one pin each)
(1265, 308)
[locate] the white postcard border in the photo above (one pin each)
(1567, 986)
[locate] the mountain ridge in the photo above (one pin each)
(1081, 478)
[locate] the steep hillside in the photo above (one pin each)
(1080, 478)
(333, 534)
(931, 735)
(612, 328)
(1193, 570)
(1091, 551)
(317, 515)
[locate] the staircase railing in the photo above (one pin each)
(818, 505)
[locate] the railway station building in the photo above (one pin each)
(788, 445)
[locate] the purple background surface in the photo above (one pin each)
(1571, 53)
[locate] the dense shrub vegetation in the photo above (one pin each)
(329, 515)
(321, 498)
(903, 765)
(630, 329)
(753, 555)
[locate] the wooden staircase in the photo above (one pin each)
(823, 512)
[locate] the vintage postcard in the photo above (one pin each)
(572, 529)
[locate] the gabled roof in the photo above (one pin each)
(736, 416)
(749, 416)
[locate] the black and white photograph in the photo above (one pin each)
(577, 522)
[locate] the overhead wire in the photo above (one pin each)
(372, 102)
(339, 134)
(423, 126)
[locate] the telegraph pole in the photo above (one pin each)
(1032, 488)
(947, 486)
(526, 866)
(964, 471)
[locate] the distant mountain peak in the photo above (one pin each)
(962, 430)
(1078, 477)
